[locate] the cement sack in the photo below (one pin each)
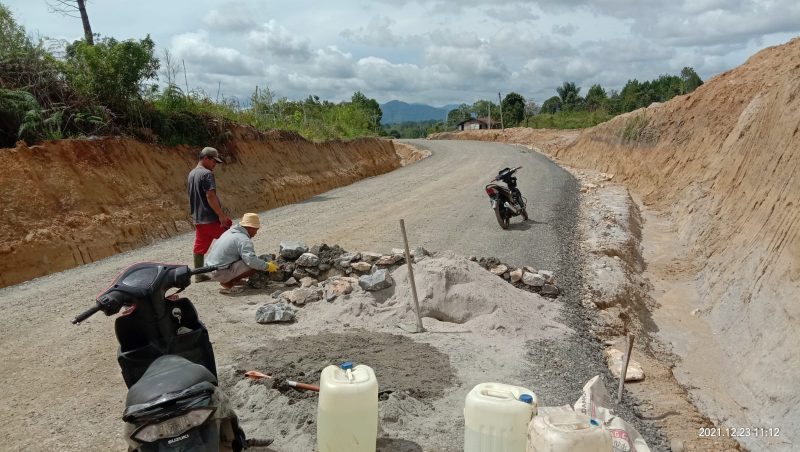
(593, 403)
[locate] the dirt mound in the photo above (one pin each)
(71, 202)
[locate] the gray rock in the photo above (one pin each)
(302, 296)
(308, 282)
(314, 271)
(324, 267)
(273, 313)
(533, 279)
(258, 280)
(549, 290)
(378, 280)
(419, 254)
(499, 270)
(389, 260)
(291, 281)
(292, 249)
(516, 275)
(361, 266)
(370, 257)
(307, 260)
(345, 259)
(299, 274)
(548, 275)
(337, 287)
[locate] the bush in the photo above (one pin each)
(567, 119)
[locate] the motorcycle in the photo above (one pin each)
(506, 202)
(167, 362)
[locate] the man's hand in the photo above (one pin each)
(225, 221)
(272, 267)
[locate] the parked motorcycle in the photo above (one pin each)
(173, 402)
(506, 202)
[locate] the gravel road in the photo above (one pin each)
(61, 384)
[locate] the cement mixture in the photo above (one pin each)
(477, 323)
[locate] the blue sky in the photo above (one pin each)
(435, 52)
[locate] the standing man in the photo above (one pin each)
(209, 219)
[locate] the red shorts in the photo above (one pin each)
(204, 234)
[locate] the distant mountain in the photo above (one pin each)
(396, 111)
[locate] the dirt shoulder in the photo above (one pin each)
(72, 202)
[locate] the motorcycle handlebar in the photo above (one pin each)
(206, 269)
(86, 314)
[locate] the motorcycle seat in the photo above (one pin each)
(167, 374)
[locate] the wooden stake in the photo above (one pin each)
(624, 370)
(420, 328)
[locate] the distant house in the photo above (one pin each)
(477, 123)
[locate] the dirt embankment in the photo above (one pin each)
(70, 202)
(723, 163)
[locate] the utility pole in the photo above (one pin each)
(501, 111)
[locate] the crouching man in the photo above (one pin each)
(235, 254)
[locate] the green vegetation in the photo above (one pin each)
(109, 87)
(568, 110)
(411, 129)
(567, 119)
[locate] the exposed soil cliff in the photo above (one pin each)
(70, 202)
(723, 163)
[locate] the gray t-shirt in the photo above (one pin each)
(201, 180)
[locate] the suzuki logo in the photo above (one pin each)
(180, 438)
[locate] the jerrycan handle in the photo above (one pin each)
(498, 394)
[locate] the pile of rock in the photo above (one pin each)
(308, 275)
(527, 278)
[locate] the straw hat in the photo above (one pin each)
(250, 220)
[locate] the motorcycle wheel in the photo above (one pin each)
(525, 214)
(500, 219)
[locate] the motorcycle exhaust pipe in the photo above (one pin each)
(511, 208)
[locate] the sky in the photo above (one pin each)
(433, 52)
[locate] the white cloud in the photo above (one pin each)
(203, 57)
(231, 17)
(378, 33)
(279, 42)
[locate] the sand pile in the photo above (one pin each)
(478, 324)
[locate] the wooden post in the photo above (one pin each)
(624, 370)
(420, 328)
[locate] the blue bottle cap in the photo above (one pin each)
(594, 422)
(527, 398)
(347, 365)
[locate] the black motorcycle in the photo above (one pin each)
(506, 202)
(167, 362)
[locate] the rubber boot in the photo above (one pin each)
(198, 262)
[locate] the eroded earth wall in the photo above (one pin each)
(724, 162)
(70, 202)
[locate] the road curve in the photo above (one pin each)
(443, 202)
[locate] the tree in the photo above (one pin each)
(690, 80)
(531, 108)
(552, 105)
(513, 109)
(71, 8)
(111, 72)
(570, 98)
(596, 98)
(458, 114)
(371, 106)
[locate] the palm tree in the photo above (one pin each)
(569, 94)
